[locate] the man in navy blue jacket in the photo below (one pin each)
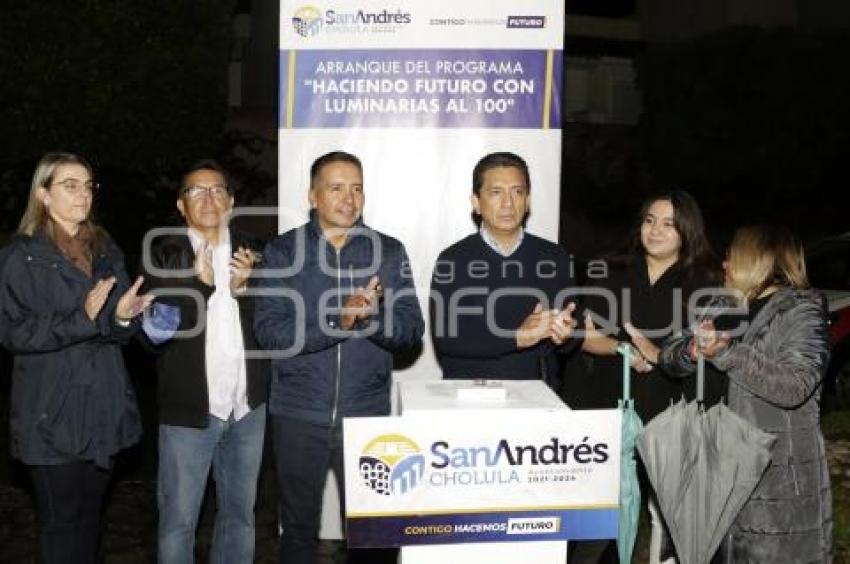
(338, 300)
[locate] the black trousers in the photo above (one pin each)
(303, 454)
(69, 498)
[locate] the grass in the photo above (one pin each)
(841, 520)
(835, 424)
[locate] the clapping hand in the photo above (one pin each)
(544, 324)
(97, 296)
(131, 304)
(648, 351)
(563, 325)
(361, 304)
(241, 267)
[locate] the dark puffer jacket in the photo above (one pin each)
(319, 373)
(71, 396)
(774, 373)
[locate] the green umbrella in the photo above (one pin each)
(703, 466)
(629, 488)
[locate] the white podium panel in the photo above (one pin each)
(482, 473)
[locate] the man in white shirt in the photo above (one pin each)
(212, 398)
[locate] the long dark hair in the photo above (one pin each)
(696, 255)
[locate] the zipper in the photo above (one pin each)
(338, 345)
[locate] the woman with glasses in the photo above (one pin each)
(775, 362)
(66, 305)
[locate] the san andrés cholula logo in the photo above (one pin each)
(391, 464)
(307, 21)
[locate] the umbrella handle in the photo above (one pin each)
(700, 377)
(625, 350)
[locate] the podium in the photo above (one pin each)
(434, 398)
(474, 471)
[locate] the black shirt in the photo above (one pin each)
(658, 310)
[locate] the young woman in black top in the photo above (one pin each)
(667, 259)
(643, 300)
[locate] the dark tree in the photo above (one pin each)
(755, 122)
(138, 87)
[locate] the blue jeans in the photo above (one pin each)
(234, 450)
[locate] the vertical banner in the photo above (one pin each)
(420, 91)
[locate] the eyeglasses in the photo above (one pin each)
(74, 187)
(196, 192)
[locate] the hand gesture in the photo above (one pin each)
(204, 265)
(534, 328)
(708, 341)
(96, 298)
(646, 348)
(361, 304)
(638, 361)
(131, 304)
(563, 325)
(241, 267)
(610, 346)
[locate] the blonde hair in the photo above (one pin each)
(764, 256)
(36, 219)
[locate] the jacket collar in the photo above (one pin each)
(236, 238)
(40, 246)
(782, 300)
(196, 239)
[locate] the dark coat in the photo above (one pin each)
(181, 362)
(775, 371)
(319, 372)
(71, 396)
